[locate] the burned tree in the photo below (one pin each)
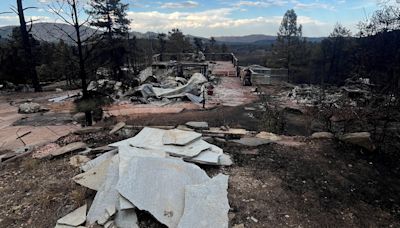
(68, 12)
(289, 38)
(27, 44)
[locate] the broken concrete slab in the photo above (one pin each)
(252, 141)
(179, 137)
(322, 135)
(362, 139)
(78, 160)
(117, 127)
(206, 205)
(107, 214)
(225, 160)
(208, 157)
(95, 177)
(152, 138)
(126, 219)
(106, 200)
(72, 147)
(269, 136)
(66, 226)
(93, 163)
(75, 218)
(157, 185)
(197, 125)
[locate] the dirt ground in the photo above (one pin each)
(313, 183)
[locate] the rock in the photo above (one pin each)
(269, 136)
(87, 130)
(157, 185)
(75, 218)
(117, 127)
(29, 107)
(362, 139)
(206, 205)
(180, 137)
(72, 147)
(78, 160)
(197, 125)
(322, 135)
(252, 141)
(59, 90)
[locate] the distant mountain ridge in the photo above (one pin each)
(257, 39)
(51, 32)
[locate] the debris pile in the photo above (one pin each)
(29, 107)
(154, 172)
(354, 93)
(165, 88)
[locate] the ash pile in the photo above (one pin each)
(155, 171)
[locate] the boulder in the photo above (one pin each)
(29, 107)
(362, 139)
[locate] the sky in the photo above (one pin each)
(208, 18)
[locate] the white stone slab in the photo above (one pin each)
(208, 157)
(95, 177)
(126, 219)
(93, 163)
(180, 137)
(206, 205)
(75, 218)
(157, 185)
(151, 138)
(106, 200)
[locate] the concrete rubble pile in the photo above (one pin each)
(155, 172)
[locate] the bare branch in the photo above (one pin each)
(30, 7)
(66, 33)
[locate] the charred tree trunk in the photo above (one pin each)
(82, 70)
(27, 48)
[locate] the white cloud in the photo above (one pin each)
(217, 22)
(265, 3)
(312, 5)
(180, 5)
